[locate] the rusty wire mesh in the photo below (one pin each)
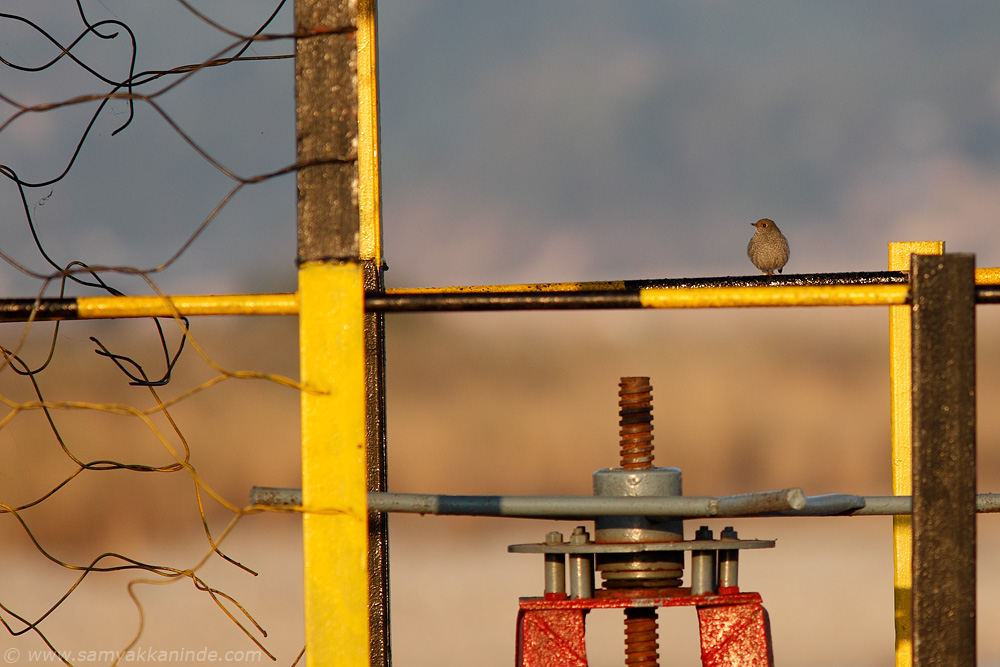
(144, 149)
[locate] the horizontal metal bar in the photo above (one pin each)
(799, 279)
(988, 276)
(787, 502)
(833, 504)
(745, 297)
(496, 301)
(764, 295)
(986, 503)
(157, 306)
(111, 307)
(559, 507)
(987, 294)
(844, 289)
(545, 507)
(984, 276)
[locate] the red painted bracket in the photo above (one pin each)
(734, 627)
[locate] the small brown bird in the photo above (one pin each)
(768, 249)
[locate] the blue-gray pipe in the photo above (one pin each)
(561, 507)
(787, 502)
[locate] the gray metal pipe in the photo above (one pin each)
(986, 503)
(787, 502)
(561, 507)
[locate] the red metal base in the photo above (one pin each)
(734, 627)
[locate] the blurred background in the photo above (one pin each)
(521, 142)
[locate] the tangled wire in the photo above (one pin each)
(143, 93)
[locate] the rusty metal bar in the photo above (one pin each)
(370, 248)
(376, 453)
(944, 460)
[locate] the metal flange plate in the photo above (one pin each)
(638, 547)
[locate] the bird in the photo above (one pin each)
(768, 248)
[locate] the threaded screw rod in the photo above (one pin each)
(635, 403)
(641, 648)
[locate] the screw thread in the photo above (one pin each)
(635, 402)
(641, 647)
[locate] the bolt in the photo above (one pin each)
(635, 401)
(729, 562)
(581, 567)
(703, 565)
(641, 648)
(555, 568)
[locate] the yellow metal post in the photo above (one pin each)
(335, 536)
(332, 330)
(900, 386)
(369, 186)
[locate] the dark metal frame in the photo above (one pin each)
(944, 460)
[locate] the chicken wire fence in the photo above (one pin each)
(146, 149)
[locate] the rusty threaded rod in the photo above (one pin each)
(635, 401)
(641, 648)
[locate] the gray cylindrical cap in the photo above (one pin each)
(662, 569)
(632, 483)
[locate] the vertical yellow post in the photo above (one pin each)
(333, 171)
(900, 385)
(335, 536)
(369, 200)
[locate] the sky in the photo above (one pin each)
(524, 141)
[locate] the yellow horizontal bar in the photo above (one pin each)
(988, 276)
(171, 306)
(790, 295)
(594, 286)
(655, 297)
